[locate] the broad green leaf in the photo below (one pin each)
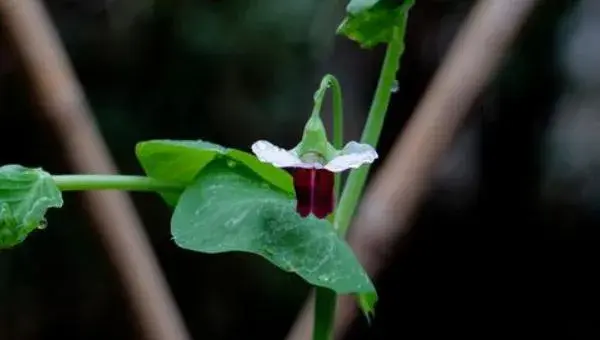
(372, 22)
(226, 211)
(180, 161)
(25, 196)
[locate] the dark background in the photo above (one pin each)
(507, 243)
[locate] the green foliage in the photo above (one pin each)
(232, 201)
(181, 161)
(233, 209)
(372, 22)
(25, 196)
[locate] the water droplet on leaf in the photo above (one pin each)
(231, 163)
(43, 224)
(324, 278)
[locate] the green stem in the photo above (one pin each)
(338, 111)
(112, 182)
(357, 178)
(325, 305)
(338, 125)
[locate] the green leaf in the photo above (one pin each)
(226, 211)
(25, 196)
(366, 302)
(180, 161)
(372, 22)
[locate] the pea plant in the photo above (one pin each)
(287, 206)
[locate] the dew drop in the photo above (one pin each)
(395, 86)
(231, 163)
(324, 278)
(43, 224)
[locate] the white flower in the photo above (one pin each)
(353, 155)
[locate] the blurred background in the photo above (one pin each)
(507, 242)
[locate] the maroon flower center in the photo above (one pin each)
(314, 192)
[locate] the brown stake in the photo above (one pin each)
(384, 215)
(65, 108)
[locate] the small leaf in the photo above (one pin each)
(372, 22)
(25, 196)
(366, 302)
(226, 211)
(180, 161)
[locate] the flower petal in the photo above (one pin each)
(353, 155)
(269, 153)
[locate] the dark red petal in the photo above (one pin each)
(314, 192)
(324, 200)
(303, 187)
